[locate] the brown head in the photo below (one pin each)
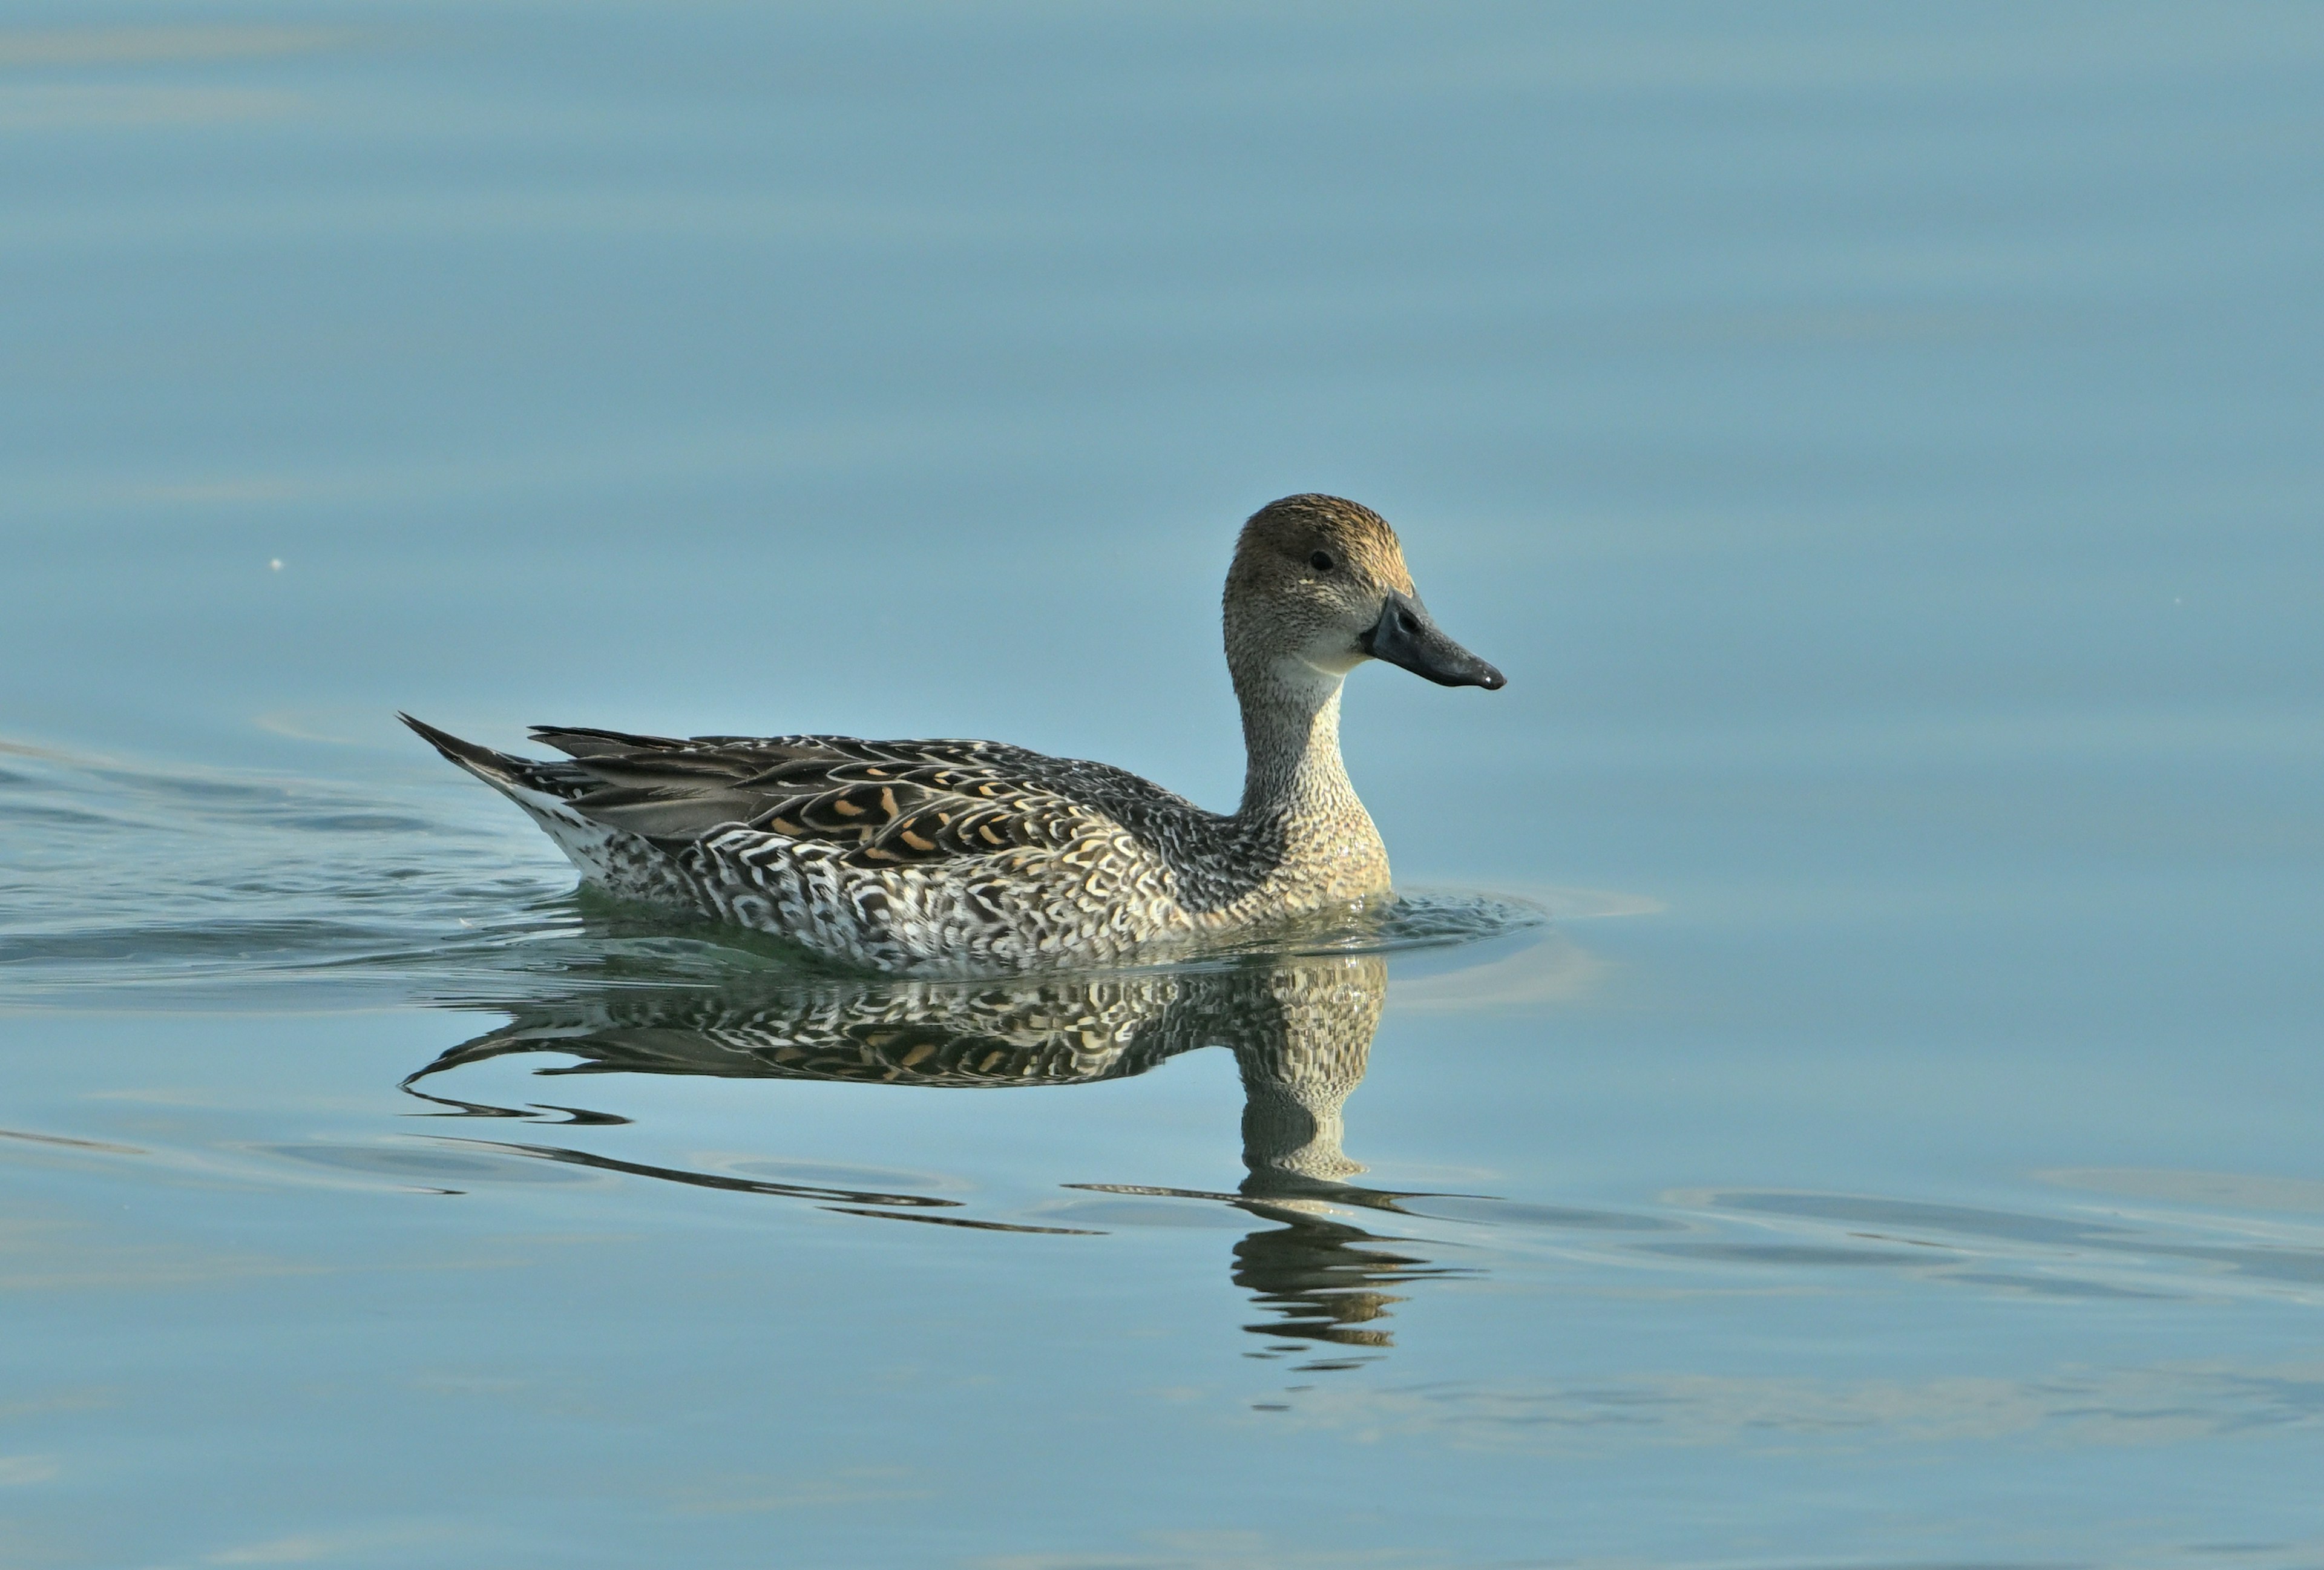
(1321, 581)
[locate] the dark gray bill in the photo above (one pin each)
(1407, 635)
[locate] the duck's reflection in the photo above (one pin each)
(1301, 1030)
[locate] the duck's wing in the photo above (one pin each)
(869, 803)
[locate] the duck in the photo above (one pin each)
(963, 858)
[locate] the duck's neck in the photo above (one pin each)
(1291, 732)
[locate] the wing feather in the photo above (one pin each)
(871, 803)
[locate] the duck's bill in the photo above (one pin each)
(1407, 635)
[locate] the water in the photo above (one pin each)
(1843, 1090)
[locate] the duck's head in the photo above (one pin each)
(1321, 582)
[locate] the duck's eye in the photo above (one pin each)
(1321, 561)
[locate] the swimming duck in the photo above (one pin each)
(966, 857)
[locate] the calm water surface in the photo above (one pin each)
(1844, 1086)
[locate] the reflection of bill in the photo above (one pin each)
(1301, 1030)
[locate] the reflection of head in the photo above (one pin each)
(1310, 1036)
(1323, 1283)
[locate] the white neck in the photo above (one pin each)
(1291, 731)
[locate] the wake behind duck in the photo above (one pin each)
(964, 857)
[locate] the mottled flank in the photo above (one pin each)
(962, 857)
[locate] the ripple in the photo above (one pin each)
(425, 1164)
(1405, 921)
(1489, 1211)
(2042, 1254)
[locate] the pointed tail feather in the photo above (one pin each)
(511, 776)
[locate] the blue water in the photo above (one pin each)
(1842, 1090)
